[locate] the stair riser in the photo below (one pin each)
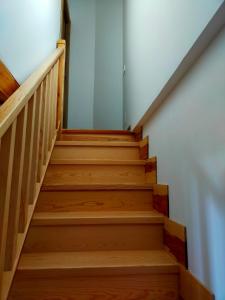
(77, 152)
(94, 238)
(141, 287)
(94, 174)
(67, 201)
(96, 137)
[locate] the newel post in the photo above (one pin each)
(61, 81)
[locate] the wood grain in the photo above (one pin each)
(138, 287)
(95, 200)
(94, 237)
(151, 170)
(176, 241)
(95, 152)
(16, 188)
(8, 84)
(144, 148)
(138, 132)
(6, 167)
(161, 198)
(94, 174)
(96, 137)
(191, 288)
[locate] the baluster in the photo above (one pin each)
(46, 119)
(27, 165)
(14, 211)
(42, 131)
(50, 109)
(34, 159)
(55, 97)
(61, 79)
(6, 157)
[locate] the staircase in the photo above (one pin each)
(95, 234)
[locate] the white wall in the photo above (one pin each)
(29, 31)
(188, 136)
(82, 64)
(96, 61)
(158, 34)
(108, 101)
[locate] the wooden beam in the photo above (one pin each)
(8, 84)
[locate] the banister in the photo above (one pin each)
(13, 106)
(29, 122)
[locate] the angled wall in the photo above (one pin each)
(188, 135)
(157, 36)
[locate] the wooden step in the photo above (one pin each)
(98, 187)
(95, 198)
(97, 135)
(96, 231)
(122, 275)
(70, 172)
(99, 263)
(96, 150)
(108, 217)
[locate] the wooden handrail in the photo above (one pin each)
(29, 122)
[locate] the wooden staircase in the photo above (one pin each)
(95, 233)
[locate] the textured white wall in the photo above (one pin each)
(188, 136)
(158, 34)
(29, 31)
(108, 102)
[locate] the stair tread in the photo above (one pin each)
(98, 143)
(159, 260)
(96, 162)
(93, 132)
(97, 217)
(78, 187)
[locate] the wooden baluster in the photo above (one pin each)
(61, 80)
(14, 210)
(34, 159)
(42, 132)
(46, 119)
(54, 102)
(6, 157)
(50, 109)
(55, 97)
(27, 165)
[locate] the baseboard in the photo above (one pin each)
(191, 288)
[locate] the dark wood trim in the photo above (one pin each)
(175, 239)
(138, 132)
(161, 199)
(8, 84)
(144, 148)
(151, 170)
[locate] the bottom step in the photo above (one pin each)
(103, 275)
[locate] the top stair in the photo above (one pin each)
(97, 135)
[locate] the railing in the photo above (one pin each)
(29, 122)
